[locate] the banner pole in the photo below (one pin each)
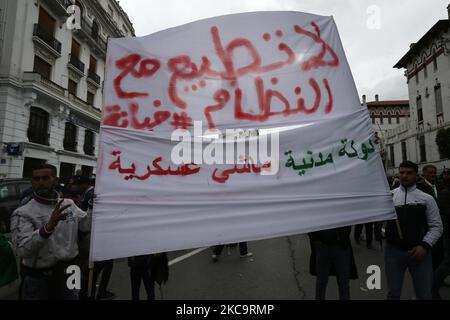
(91, 278)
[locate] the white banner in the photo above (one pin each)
(256, 70)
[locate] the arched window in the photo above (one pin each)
(94, 32)
(38, 126)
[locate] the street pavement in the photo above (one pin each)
(278, 270)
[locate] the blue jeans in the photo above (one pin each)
(38, 288)
(326, 257)
(396, 262)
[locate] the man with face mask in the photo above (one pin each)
(44, 234)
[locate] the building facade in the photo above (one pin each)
(52, 66)
(386, 116)
(427, 65)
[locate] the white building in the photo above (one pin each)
(427, 65)
(386, 115)
(51, 80)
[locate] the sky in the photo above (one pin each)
(375, 34)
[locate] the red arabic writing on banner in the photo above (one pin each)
(182, 69)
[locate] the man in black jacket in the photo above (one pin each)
(444, 203)
(428, 185)
(411, 236)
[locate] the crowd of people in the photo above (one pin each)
(51, 230)
(417, 241)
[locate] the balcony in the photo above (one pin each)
(35, 78)
(94, 78)
(46, 41)
(59, 7)
(83, 105)
(76, 65)
(89, 149)
(70, 145)
(97, 44)
(38, 136)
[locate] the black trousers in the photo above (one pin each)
(370, 228)
(136, 275)
(104, 267)
(243, 250)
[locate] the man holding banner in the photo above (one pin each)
(165, 184)
(411, 237)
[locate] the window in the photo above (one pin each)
(94, 32)
(373, 120)
(38, 126)
(72, 87)
(89, 142)
(66, 171)
(46, 22)
(404, 153)
(90, 98)
(392, 155)
(43, 68)
(417, 77)
(70, 137)
(381, 118)
(93, 64)
(8, 192)
(438, 98)
(29, 164)
(398, 119)
(419, 109)
(86, 171)
(389, 119)
(425, 71)
(423, 151)
(75, 51)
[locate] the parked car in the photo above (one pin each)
(10, 191)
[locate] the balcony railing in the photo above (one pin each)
(58, 6)
(94, 77)
(98, 44)
(38, 136)
(76, 63)
(47, 38)
(89, 149)
(70, 145)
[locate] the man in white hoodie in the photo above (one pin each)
(45, 236)
(410, 237)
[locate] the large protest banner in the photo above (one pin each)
(282, 72)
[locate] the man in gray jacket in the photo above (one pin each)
(410, 237)
(45, 236)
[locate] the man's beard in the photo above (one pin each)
(45, 193)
